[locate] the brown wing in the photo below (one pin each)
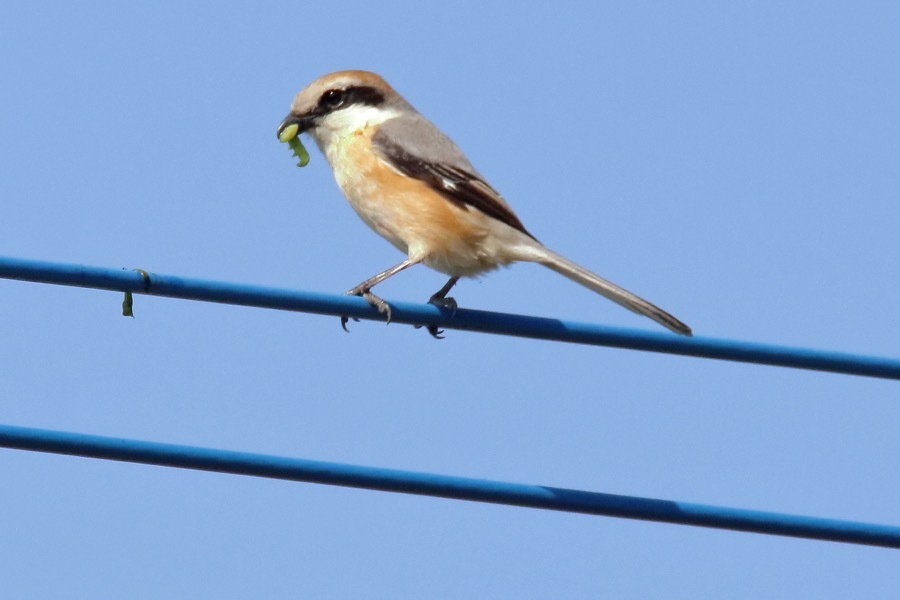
(456, 184)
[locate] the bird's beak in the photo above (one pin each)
(303, 123)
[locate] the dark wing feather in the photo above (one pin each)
(455, 183)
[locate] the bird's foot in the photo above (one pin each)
(444, 304)
(382, 306)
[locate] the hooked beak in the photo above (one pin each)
(303, 123)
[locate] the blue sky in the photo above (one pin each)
(735, 163)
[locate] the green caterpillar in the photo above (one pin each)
(290, 137)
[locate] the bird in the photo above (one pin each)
(412, 185)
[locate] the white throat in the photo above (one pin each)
(340, 124)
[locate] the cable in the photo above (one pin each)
(460, 488)
(141, 282)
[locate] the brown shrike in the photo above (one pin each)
(413, 186)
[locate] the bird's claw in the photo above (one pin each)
(444, 304)
(432, 329)
(345, 320)
(382, 306)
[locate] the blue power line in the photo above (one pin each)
(460, 488)
(425, 314)
(497, 492)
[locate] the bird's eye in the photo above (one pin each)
(332, 98)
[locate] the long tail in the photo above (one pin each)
(565, 267)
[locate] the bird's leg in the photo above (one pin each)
(440, 299)
(363, 289)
